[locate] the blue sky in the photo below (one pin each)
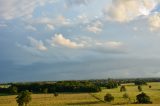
(79, 39)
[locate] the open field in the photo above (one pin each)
(89, 99)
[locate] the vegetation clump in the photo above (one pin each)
(111, 84)
(139, 88)
(123, 88)
(23, 98)
(108, 97)
(140, 82)
(143, 98)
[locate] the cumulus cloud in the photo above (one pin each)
(59, 39)
(154, 22)
(10, 9)
(37, 44)
(127, 10)
(95, 27)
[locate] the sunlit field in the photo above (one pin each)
(90, 99)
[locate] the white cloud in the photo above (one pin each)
(51, 23)
(113, 44)
(95, 27)
(127, 10)
(50, 26)
(154, 22)
(62, 20)
(30, 27)
(59, 39)
(10, 9)
(37, 44)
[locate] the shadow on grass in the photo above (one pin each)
(84, 103)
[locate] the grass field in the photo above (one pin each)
(89, 99)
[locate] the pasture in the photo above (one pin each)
(90, 99)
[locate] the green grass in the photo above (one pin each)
(93, 99)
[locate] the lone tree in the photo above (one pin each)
(143, 98)
(123, 88)
(139, 88)
(108, 98)
(23, 98)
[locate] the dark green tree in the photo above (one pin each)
(140, 82)
(139, 88)
(108, 97)
(111, 84)
(123, 88)
(143, 98)
(23, 98)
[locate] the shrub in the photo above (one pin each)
(108, 98)
(123, 88)
(143, 98)
(139, 88)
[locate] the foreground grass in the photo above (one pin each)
(86, 99)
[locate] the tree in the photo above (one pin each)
(108, 98)
(139, 88)
(123, 88)
(111, 84)
(143, 98)
(23, 98)
(140, 82)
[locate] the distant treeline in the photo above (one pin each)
(71, 86)
(61, 86)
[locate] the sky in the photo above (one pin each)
(48, 40)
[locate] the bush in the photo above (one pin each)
(108, 98)
(139, 88)
(143, 98)
(123, 88)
